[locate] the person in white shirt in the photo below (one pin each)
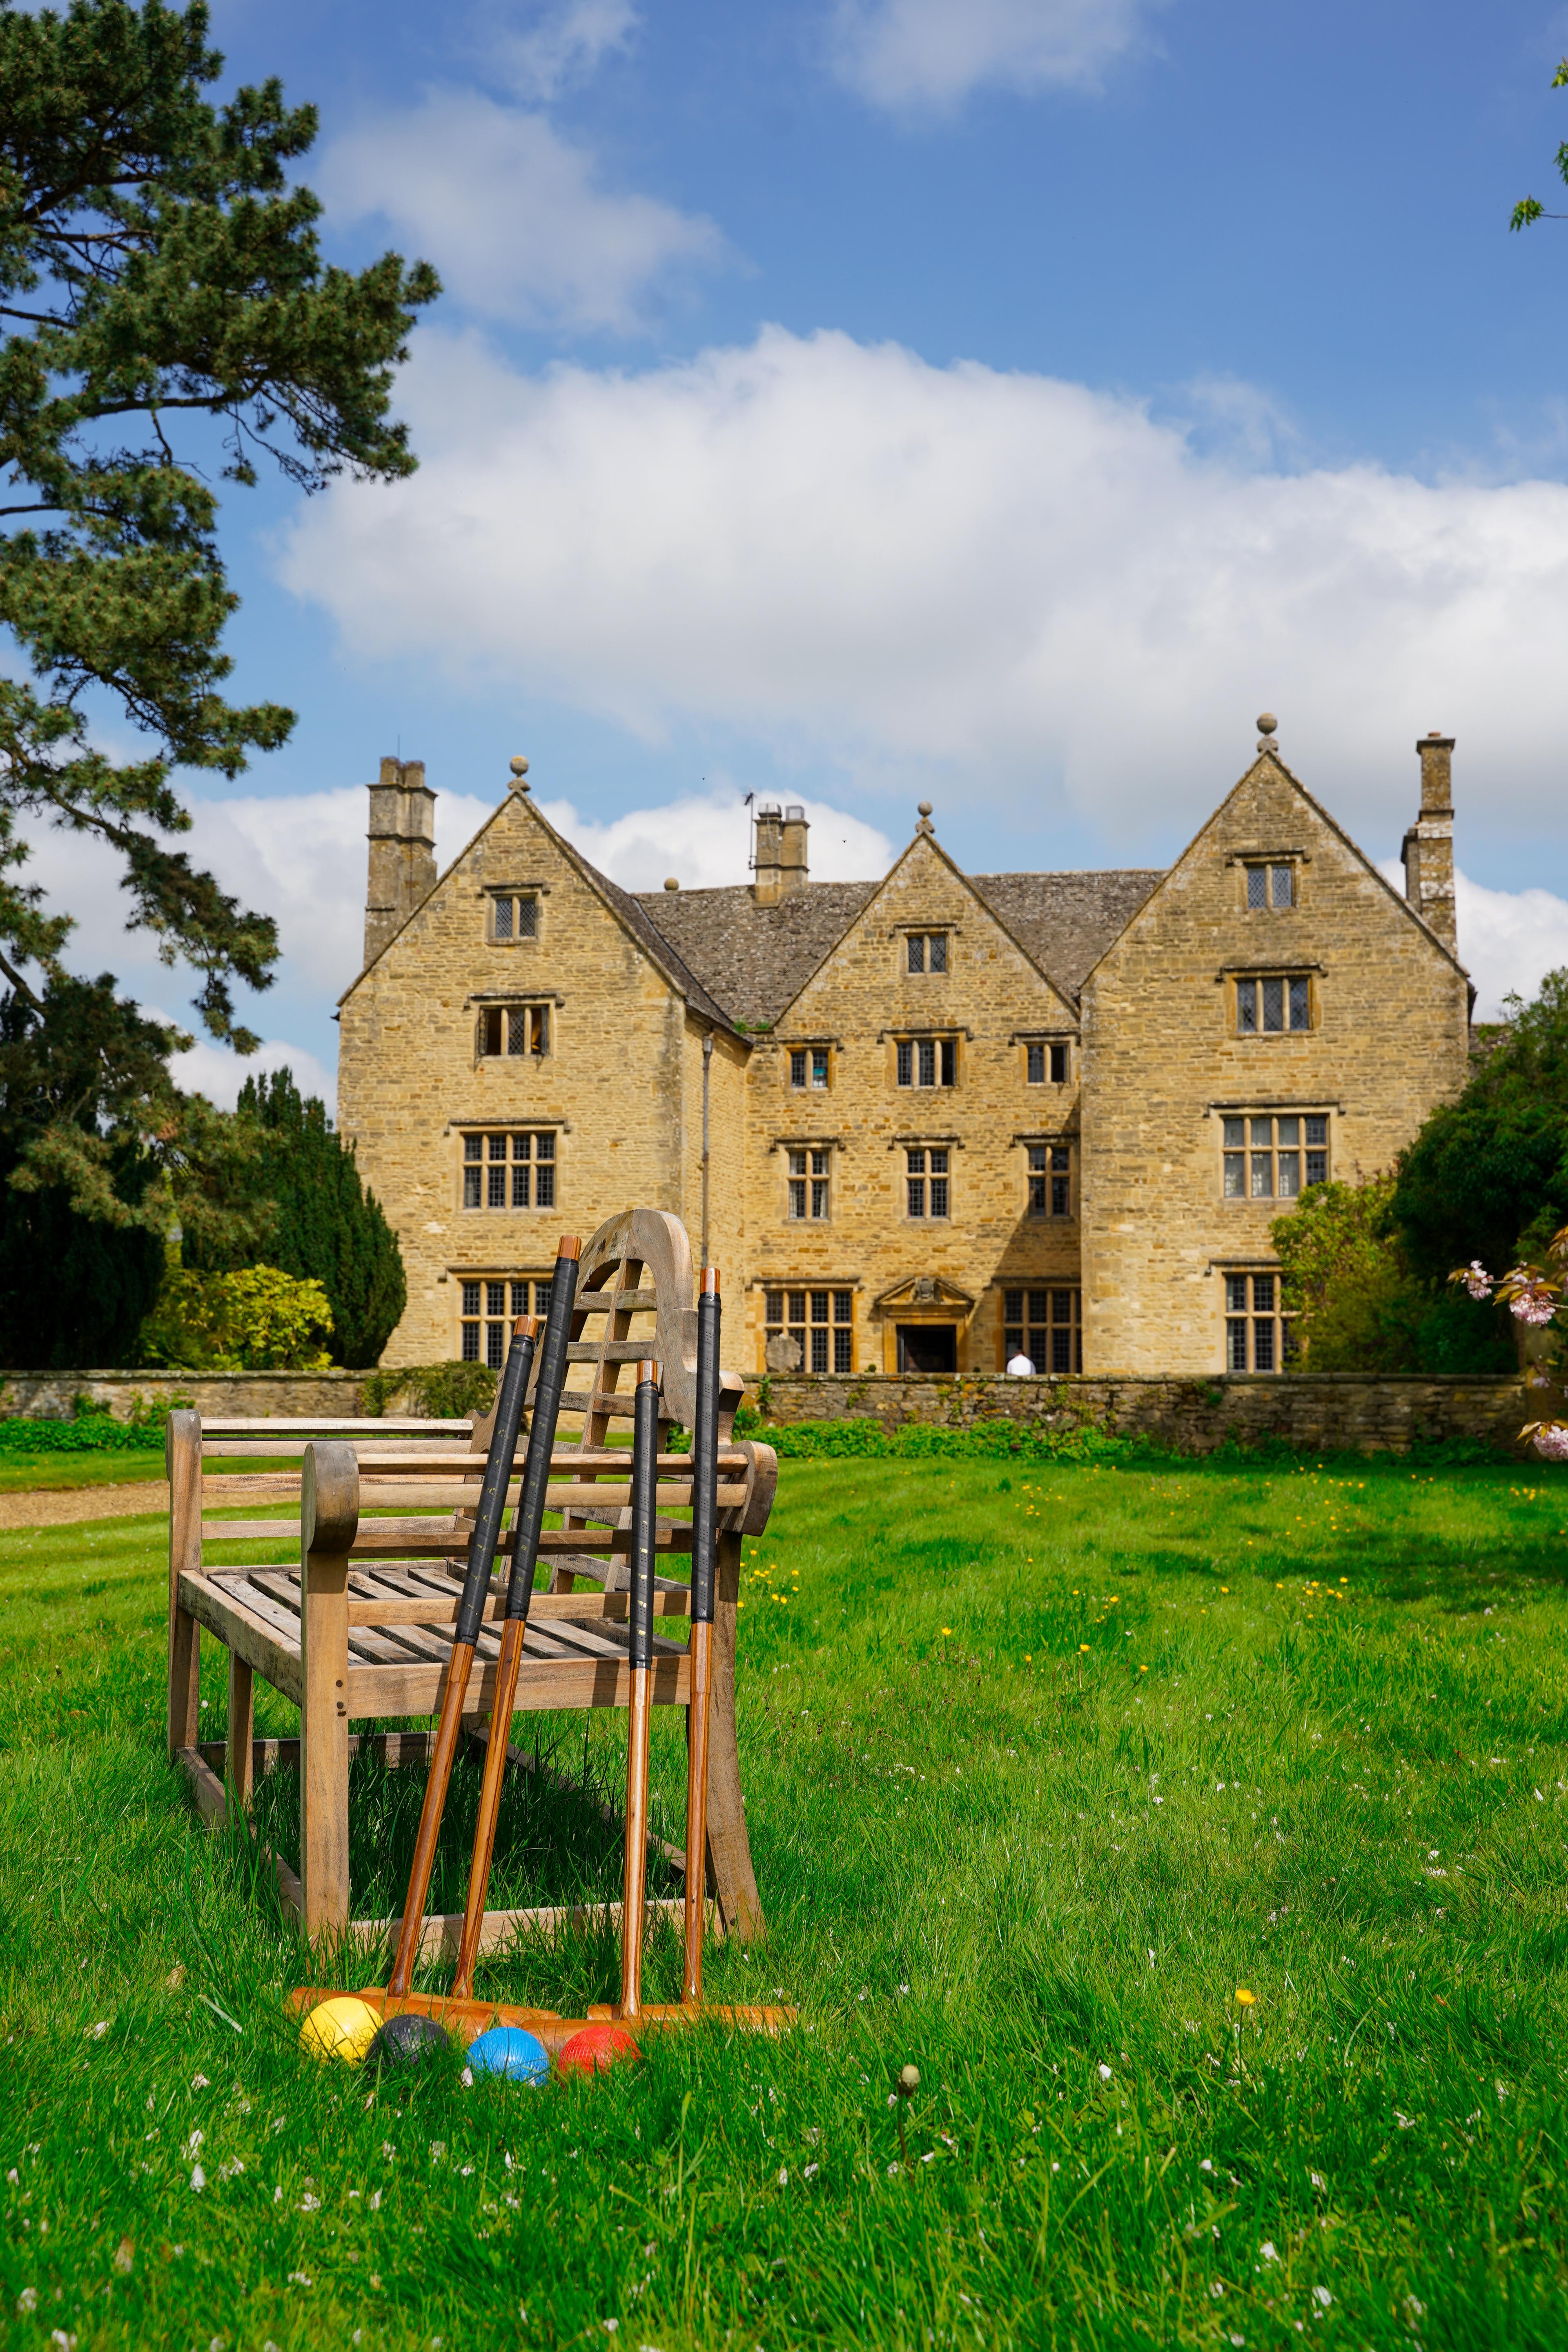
(1021, 1367)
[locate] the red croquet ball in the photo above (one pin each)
(595, 2050)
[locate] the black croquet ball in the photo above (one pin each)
(405, 2041)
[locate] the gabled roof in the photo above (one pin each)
(755, 960)
(660, 951)
(1270, 759)
(1066, 921)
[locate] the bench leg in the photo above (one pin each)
(730, 1875)
(241, 1735)
(325, 1745)
(183, 1460)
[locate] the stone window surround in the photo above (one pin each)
(536, 1130)
(1248, 1316)
(490, 891)
(1252, 1110)
(1287, 969)
(927, 933)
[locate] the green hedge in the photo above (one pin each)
(1012, 1440)
(93, 1433)
(987, 1441)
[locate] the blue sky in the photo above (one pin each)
(996, 401)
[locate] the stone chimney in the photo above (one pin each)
(1429, 845)
(792, 848)
(778, 851)
(402, 850)
(767, 824)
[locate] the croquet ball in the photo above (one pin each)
(406, 2041)
(343, 2027)
(594, 2049)
(511, 2051)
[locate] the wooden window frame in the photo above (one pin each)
(1292, 1148)
(1259, 1335)
(1252, 1003)
(516, 928)
(1043, 1329)
(824, 1328)
(915, 1056)
(514, 1032)
(808, 1186)
(921, 1183)
(515, 1182)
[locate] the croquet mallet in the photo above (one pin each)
(526, 1526)
(704, 1548)
(639, 1657)
(488, 1519)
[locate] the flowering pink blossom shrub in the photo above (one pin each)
(1534, 1297)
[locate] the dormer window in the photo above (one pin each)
(1271, 887)
(514, 915)
(925, 952)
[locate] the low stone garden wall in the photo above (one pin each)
(1341, 1411)
(1337, 1411)
(237, 1396)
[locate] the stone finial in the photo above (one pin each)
(519, 767)
(672, 882)
(1268, 741)
(925, 825)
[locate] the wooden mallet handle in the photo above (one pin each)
(644, 1537)
(704, 1555)
(520, 1590)
(482, 1546)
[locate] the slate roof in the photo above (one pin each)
(756, 960)
(1066, 921)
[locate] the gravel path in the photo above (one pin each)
(54, 1507)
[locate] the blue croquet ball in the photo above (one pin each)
(511, 2051)
(406, 2041)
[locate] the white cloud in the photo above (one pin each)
(1509, 939)
(564, 45)
(914, 55)
(1001, 586)
(212, 1070)
(705, 841)
(514, 216)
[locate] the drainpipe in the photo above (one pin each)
(707, 1065)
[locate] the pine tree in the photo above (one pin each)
(327, 1225)
(165, 310)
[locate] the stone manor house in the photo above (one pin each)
(921, 1123)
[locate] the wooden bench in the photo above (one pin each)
(356, 1626)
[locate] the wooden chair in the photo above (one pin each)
(361, 1629)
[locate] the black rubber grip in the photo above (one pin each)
(542, 1435)
(705, 1462)
(644, 1518)
(492, 1489)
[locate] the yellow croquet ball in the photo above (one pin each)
(343, 2027)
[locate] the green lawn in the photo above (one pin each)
(19, 1472)
(1044, 1771)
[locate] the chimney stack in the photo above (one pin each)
(778, 851)
(792, 848)
(402, 850)
(1428, 850)
(767, 824)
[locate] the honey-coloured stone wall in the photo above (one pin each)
(613, 1088)
(859, 1004)
(1165, 1063)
